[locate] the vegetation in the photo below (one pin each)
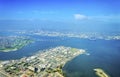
(13, 43)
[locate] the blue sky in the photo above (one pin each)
(63, 10)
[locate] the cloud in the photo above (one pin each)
(101, 18)
(80, 17)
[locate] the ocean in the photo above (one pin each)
(104, 54)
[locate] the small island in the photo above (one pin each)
(99, 72)
(45, 63)
(13, 43)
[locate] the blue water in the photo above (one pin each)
(104, 54)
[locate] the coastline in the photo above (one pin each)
(100, 72)
(49, 62)
(9, 50)
(17, 47)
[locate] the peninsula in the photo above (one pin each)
(45, 63)
(13, 43)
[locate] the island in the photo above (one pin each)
(13, 43)
(45, 63)
(99, 72)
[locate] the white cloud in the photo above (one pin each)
(80, 17)
(103, 18)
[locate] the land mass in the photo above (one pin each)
(99, 72)
(82, 35)
(45, 63)
(13, 43)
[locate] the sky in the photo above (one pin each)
(61, 10)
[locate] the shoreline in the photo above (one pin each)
(9, 50)
(50, 62)
(16, 48)
(100, 72)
